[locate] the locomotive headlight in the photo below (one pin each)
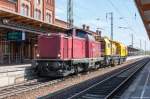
(38, 55)
(59, 55)
(49, 34)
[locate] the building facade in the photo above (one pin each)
(43, 10)
(21, 21)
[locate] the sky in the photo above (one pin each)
(93, 13)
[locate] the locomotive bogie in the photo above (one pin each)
(55, 68)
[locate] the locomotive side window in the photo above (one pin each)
(69, 32)
(109, 45)
(90, 37)
(103, 48)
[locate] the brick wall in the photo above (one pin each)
(61, 23)
(49, 7)
(7, 5)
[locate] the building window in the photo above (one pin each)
(13, 1)
(48, 17)
(47, 1)
(50, 2)
(25, 10)
(37, 14)
(38, 1)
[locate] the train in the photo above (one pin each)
(76, 50)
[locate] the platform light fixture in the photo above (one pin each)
(5, 21)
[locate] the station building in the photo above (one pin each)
(21, 21)
(133, 51)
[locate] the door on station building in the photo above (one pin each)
(10, 52)
(14, 50)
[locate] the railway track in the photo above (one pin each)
(26, 86)
(101, 89)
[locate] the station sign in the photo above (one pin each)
(16, 36)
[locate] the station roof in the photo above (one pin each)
(25, 20)
(130, 48)
(144, 9)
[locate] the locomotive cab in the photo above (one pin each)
(61, 54)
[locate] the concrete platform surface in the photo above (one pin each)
(140, 88)
(14, 67)
(136, 57)
(14, 74)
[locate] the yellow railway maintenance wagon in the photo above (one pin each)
(116, 55)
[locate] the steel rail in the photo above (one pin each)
(13, 90)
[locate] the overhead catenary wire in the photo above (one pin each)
(132, 14)
(120, 14)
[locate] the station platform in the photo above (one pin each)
(14, 74)
(136, 57)
(13, 67)
(140, 88)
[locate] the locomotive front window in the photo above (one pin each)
(80, 34)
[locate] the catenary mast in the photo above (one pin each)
(70, 19)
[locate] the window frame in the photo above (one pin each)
(78, 34)
(37, 14)
(25, 10)
(13, 1)
(38, 2)
(48, 17)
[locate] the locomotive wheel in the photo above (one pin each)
(112, 63)
(97, 65)
(76, 69)
(107, 62)
(119, 61)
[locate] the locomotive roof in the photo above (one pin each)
(81, 29)
(107, 39)
(119, 43)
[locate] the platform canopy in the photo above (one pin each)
(13, 20)
(144, 9)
